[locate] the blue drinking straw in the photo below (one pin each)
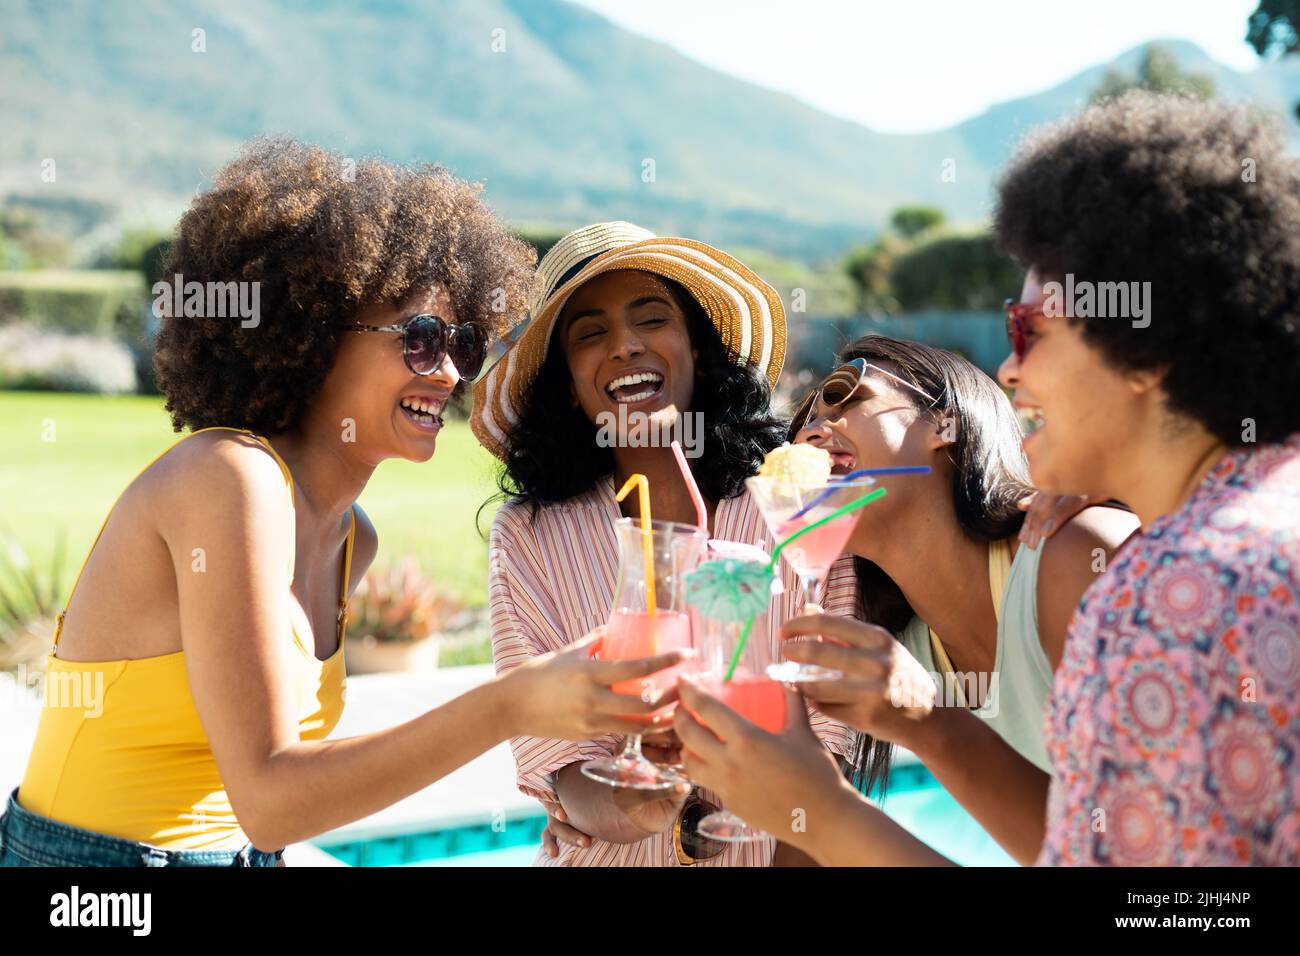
(891, 470)
(861, 473)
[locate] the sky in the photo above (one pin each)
(877, 63)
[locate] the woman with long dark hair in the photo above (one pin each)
(1173, 727)
(942, 571)
(627, 328)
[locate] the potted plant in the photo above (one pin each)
(395, 620)
(29, 604)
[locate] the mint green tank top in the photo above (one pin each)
(1015, 696)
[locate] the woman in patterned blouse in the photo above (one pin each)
(1174, 722)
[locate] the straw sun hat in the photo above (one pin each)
(746, 311)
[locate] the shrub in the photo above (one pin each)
(399, 603)
(38, 359)
(29, 603)
(102, 303)
(954, 272)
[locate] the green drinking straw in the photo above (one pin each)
(776, 554)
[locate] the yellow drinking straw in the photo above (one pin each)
(643, 485)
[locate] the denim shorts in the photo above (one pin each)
(29, 839)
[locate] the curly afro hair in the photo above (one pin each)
(1203, 201)
(325, 238)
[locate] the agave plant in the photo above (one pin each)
(400, 603)
(29, 603)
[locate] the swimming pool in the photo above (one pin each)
(915, 800)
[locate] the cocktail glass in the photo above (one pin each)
(788, 509)
(635, 632)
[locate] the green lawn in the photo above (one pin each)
(65, 458)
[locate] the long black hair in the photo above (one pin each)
(990, 474)
(552, 453)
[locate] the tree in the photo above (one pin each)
(1158, 72)
(1273, 30)
(539, 239)
(954, 272)
(910, 221)
(869, 267)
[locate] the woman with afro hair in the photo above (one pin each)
(1173, 725)
(204, 634)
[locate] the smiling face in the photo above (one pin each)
(1078, 411)
(397, 414)
(880, 424)
(626, 343)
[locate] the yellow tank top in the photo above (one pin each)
(999, 570)
(119, 747)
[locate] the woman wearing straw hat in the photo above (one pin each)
(625, 324)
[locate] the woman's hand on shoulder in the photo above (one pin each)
(1046, 514)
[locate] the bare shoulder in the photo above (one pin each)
(215, 473)
(1072, 553)
(1099, 524)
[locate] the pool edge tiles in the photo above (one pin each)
(437, 845)
(915, 800)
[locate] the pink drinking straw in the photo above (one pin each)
(701, 512)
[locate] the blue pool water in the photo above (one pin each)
(915, 800)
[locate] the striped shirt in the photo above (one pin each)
(551, 581)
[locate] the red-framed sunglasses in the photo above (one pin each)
(428, 339)
(1019, 315)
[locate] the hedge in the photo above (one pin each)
(102, 303)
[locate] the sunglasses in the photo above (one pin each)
(1019, 315)
(427, 340)
(690, 844)
(837, 387)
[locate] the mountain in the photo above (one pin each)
(558, 125)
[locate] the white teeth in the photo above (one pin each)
(636, 379)
(422, 406)
(424, 412)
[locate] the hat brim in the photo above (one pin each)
(744, 309)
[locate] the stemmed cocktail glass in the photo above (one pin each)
(638, 629)
(787, 509)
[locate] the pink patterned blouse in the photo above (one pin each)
(551, 581)
(1174, 722)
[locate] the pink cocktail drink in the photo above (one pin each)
(812, 554)
(792, 511)
(635, 634)
(756, 697)
(649, 617)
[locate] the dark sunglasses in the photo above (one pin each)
(427, 340)
(837, 387)
(1019, 315)
(690, 844)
